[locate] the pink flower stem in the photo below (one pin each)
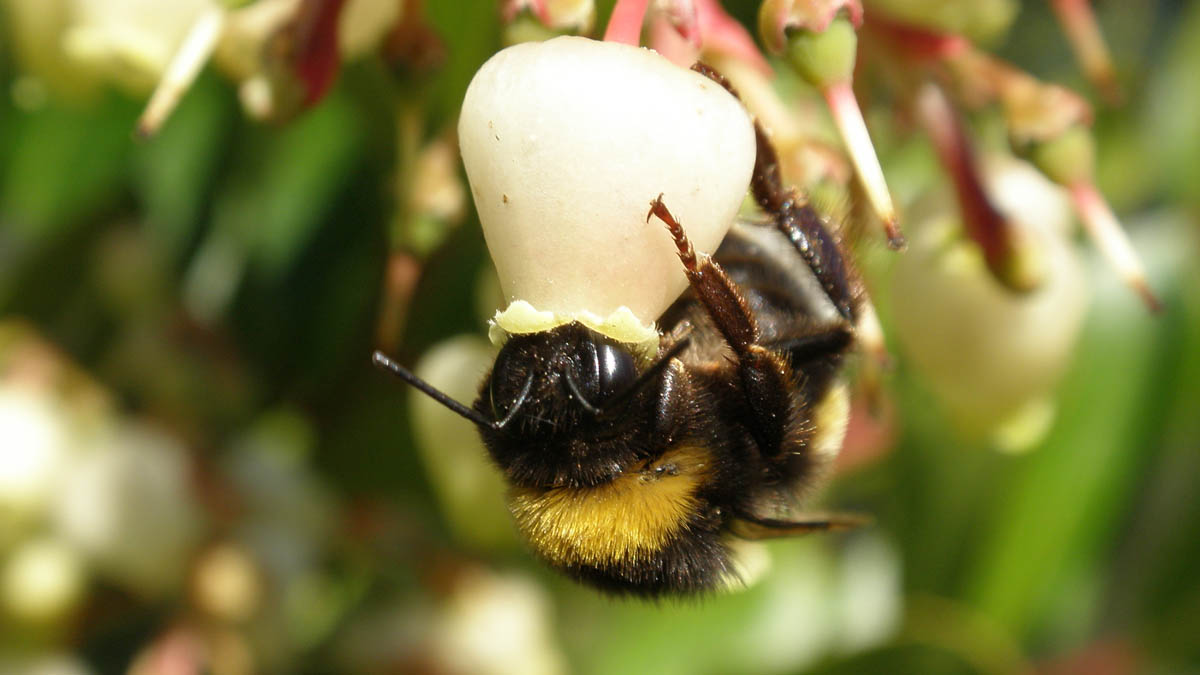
(1083, 32)
(625, 24)
(1104, 229)
(721, 33)
(853, 129)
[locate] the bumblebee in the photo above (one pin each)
(632, 473)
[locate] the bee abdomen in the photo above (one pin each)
(647, 532)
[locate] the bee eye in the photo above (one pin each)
(615, 368)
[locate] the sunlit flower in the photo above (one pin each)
(567, 142)
(993, 356)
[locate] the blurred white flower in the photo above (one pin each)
(819, 598)
(792, 627)
(480, 622)
(751, 562)
(34, 441)
(437, 191)
(1018, 188)
(870, 591)
(495, 625)
(129, 42)
(42, 580)
(469, 488)
(35, 28)
(993, 356)
(128, 506)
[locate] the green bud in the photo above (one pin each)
(827, 57)
(1023, 266)
(526, 28)
(1067, 159)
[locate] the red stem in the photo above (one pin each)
(984, 223)
(915, 42)
(317, 58)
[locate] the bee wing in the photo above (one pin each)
(750, 527)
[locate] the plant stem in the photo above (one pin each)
(625, 25)
(849, 120)
(1104, 229)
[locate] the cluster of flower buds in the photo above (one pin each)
(819, 39)
(925, 56)
(1047, 124)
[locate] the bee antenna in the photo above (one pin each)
(569, 375)
(499, 425)
(384, 363)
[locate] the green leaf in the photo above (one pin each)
(285, 181)
(174, 172)
(1064, 502)
(64, 165)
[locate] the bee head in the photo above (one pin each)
(564, 401)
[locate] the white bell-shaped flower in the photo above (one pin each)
(566, 142)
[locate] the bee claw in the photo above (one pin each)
(655, 205)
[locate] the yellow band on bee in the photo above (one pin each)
(625, 521)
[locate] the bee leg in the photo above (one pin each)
(765, 375)
(816, 346)
(754, 528)
(798, 220)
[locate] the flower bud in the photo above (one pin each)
(778, 18)
(819, 39)
(1067, 159)
(827, 57)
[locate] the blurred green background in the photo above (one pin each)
(201, 469)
